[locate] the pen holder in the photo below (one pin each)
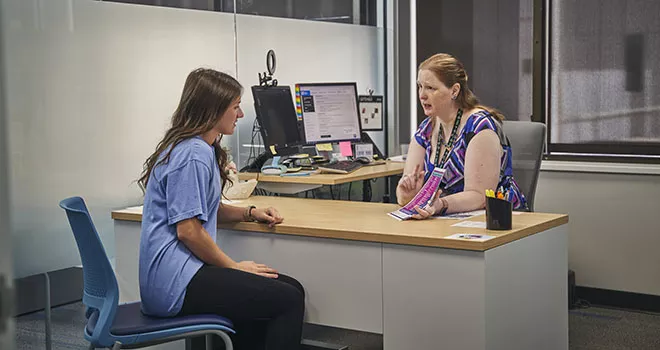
(498, 214)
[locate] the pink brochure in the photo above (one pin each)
(422, 197)
(345, 148)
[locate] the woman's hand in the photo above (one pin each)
(411, 183)
(268, 216)
(231, 168)
(430, 209)
(257, 269)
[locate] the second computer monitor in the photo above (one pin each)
(276, 116)
(329, 112)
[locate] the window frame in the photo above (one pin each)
(609, 151)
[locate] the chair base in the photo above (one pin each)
(208, 334)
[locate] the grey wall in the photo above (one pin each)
(493, 39)
(613, 227)
(444, 26)
(402, 42)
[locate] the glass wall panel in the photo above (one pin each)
(90, 88)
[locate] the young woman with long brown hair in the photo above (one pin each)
(182, 269)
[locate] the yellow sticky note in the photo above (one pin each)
(324, 147)
(272, 150)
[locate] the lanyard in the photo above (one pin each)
(450, 143)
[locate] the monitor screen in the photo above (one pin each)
(329, 112)
(277, 116)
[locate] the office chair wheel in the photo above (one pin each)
(117, 346)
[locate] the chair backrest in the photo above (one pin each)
(527, 140)
(101, 293)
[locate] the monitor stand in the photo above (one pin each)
(257, 163)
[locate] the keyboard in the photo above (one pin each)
(340, 167)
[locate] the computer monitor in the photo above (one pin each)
(277, 117)
(329, 112)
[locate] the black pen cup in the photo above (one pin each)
(498, 214)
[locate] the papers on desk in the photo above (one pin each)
(401, 159)
(462, 216)
(299, 173)
(471, 237)
(471, 224)
(239, 190)
(133, 210)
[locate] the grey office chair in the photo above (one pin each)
(527, 140)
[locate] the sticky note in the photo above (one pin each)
(272, 150)
(345, 148)
(327, 147)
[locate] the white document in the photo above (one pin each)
(471, 224)
(230, 202)
(471, 237)
(401, 159)
(135, 210)
(239, 190)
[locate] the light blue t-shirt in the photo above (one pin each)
(187, 186)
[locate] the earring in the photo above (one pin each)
(453, 97)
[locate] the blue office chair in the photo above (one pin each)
(110, 325)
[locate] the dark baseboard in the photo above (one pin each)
(66, 286)
(619, 299)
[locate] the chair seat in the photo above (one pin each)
(130, 320)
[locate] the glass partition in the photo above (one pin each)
(91, 85)
(90, 88)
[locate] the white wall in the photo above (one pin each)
(306, 52)
(614, 232)
(91, 88)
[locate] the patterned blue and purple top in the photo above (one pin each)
(453, 180)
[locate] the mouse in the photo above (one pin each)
(363, 160)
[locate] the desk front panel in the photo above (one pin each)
(342, 279)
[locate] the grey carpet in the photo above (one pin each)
(589, 329)
(611, 329)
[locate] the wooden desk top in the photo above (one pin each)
(369, 222)
(364, 173)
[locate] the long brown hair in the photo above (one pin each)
(206, 96)
(449, 70)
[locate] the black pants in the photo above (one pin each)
(267, 313)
